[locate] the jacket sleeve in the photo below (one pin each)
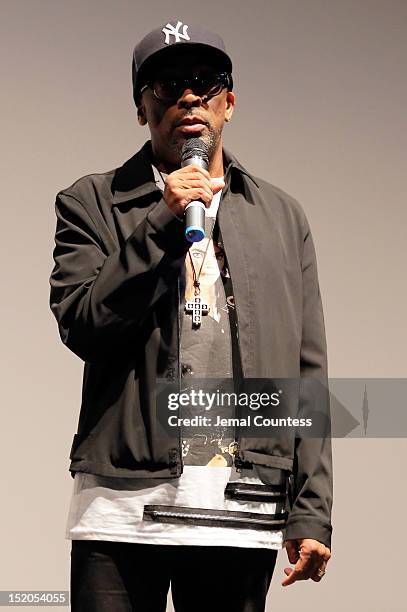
(310, 515)
(100, 300)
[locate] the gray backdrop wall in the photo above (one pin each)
(321, 99)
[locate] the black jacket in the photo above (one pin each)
(115, 294)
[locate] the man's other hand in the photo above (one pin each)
(310, 558)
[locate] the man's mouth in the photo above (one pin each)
(190, 125)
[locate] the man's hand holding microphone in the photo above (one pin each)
(189, 184)
(189, 190)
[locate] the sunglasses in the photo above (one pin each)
(169, 89)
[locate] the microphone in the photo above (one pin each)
(195, 151)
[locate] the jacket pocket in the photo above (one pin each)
(214, 518)
(256, 492)
(263, 459)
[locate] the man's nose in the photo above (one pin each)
(189, 99)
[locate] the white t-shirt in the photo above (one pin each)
(112, 509)
(106, 508)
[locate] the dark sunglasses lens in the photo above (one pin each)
(208, 85)
(170, 89)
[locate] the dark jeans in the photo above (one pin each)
(122, 577)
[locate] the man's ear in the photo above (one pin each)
(230, 105)
(141, 115)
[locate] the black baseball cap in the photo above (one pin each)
(171, 35)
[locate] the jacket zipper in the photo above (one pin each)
(256, 493)
(253, 492)
(213, 517)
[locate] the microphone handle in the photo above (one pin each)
(195, 211)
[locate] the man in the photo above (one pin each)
(203, 511)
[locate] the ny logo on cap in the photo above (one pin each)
(174, 31)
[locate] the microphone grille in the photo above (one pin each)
(194, 147)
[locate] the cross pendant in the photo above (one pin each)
(197, 308)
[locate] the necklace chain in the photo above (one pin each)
(196, 276)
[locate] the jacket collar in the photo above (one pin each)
(136, 177)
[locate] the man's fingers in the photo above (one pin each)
(191, 170)
(302, 571)
(190, 184)
(292, 552)
(192, 195)
(312, 562)
(292, 576)
(195, 169)
(216, 186)
(195, 180)
(321, 566)
(193, 184)
(191, 178)
(319, 573)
